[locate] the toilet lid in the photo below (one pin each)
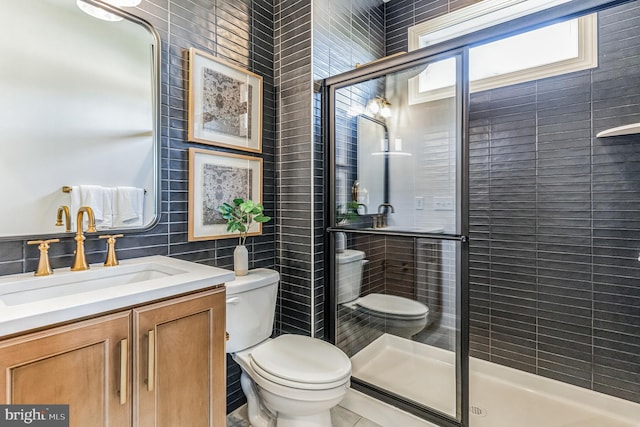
(393, 305)
(301, 359)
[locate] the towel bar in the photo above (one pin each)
(67, 189)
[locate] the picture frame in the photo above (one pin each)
(225, 103)
(215, 178)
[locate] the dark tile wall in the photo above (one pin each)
(554, 269)
(552, 207)
(342, 33)
(294, 154)
(402, 14)
(240, 31)
(615, 204)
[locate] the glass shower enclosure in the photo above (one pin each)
(397, 231)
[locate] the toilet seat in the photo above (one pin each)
(301, 362)
(393, 307)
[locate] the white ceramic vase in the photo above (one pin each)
(341, 242)
(241, 260)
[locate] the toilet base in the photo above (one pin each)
(260, 416)
(322, 419)
(271, 404)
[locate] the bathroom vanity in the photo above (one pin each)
(149, 352)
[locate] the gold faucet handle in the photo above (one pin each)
(111, 249)
(44, 268)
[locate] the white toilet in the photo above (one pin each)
(291, 380)
(399, 316)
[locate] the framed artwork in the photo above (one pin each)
(225, 104)
(216, 178)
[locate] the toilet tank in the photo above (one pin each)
(349, 275)
(251, 307)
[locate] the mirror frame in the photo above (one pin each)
(156, 126)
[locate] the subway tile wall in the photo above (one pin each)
(402, 14)
(615, 204)
(554, 269)
(295, 156)
(342, 33)
(240, 31)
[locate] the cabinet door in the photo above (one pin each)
(179, 362)
(85, 365)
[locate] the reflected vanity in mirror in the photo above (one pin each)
(79, 107)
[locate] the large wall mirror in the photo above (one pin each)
(78, 118)
(373, 165)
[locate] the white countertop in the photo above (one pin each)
(63, 296)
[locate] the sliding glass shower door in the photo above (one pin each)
(397, 234)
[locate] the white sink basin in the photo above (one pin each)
(28, 302)
(59, 285)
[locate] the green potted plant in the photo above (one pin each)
(240, 214)
(346, 214)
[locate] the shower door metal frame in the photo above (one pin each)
(462, 226)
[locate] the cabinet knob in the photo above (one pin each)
(226, 336)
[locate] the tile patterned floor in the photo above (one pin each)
(340, 417)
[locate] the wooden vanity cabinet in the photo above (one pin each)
(161, 364)
(86, 365)
(179, 362)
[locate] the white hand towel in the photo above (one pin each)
(74, 204)
(99, 199)
(107, 213)
(128, 206)
(93, 196)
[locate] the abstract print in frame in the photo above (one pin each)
(225, 104)
(216, 178)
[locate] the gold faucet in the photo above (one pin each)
(80, 261)
(44, 268)
(67, 217)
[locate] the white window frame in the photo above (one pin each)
(491, 12)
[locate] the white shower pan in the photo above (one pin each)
(499, 396)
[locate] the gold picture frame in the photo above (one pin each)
(216, 178)
(225, 104)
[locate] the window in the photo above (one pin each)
(549, 51)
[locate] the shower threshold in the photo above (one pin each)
(499, 396)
